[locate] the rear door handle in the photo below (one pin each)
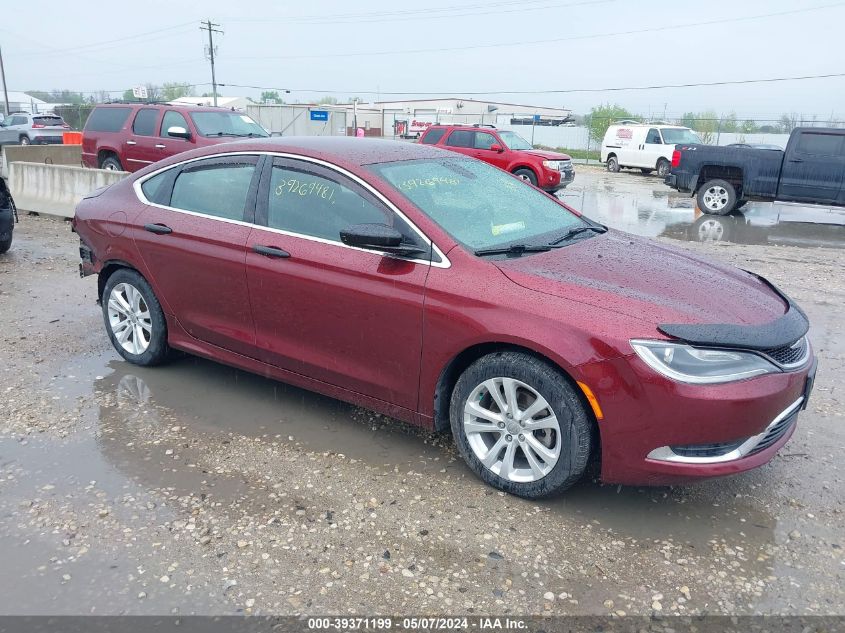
(271, 251)
(160, 146)
(796, 160)
(159, 229)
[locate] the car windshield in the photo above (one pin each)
(673, 136)
(479, 205)
(226, 124)
(514, 140)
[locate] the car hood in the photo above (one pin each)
(545, 155)
(647, 280)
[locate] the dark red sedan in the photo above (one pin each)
(442, 291)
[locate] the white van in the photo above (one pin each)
(648, 146)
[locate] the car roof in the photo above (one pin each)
(179, 107)
(345, 151)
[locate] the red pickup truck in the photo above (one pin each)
(130, 136)
(506, 150)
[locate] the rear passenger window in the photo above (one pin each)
(219, 189)
(304, 202)
(460, 138)
(107, 119)
(433, 136)
(820, 144)
(145, 122)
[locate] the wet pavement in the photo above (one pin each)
(197, 488)
(643, 205)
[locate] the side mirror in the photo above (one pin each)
(495, 147)
(177, 131)
(377, 237)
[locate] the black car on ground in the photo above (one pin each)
(810, 171)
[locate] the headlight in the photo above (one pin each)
(685, 363)
(552, 164)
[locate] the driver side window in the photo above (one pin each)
(653, 137)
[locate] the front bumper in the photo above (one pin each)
(555, 181)
(654, 427)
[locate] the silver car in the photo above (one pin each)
(23, 128)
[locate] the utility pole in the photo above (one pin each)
(209, 26)
(3, 77)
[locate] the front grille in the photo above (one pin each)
(707, 450)
(774, 433)
(788, 354)
(565, 165)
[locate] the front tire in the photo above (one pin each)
(134, 320)
(527, 175)
(5, 245)
(25, 140)
(520, 425)
(613, 164)
(716, 197)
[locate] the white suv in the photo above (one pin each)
(647, 146)
(23, 128)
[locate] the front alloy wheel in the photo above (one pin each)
(520, 424)
(512, 429)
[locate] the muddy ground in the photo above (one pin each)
(196, 488)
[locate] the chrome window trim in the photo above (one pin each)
(666, 454)
(443, 263)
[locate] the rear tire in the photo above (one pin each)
(716, 197)
(537, 443)
(527, 175)
(5, 245)
(111, 163)
(613, 164)
(134, 319)
(663, 167)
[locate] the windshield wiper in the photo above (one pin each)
(514, 249)
(235, 134)
(598, 228)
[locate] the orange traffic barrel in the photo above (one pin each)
(72, 138)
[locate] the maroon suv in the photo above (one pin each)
(130, 136)
(506, 150)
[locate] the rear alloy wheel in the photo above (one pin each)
(663, 167)
(520, 425)
(111, 164)
(717, 197)
(134, 319)
(527, 175)
(613, 164)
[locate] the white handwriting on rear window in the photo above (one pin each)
(296, 186)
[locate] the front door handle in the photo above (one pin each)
(131, 143)
(796, 160)
(160, 146)
(271, 251)
(159, 229)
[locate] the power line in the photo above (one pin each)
(555, 40)
(542, 92)
(86, 48)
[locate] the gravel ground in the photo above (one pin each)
(196, 488)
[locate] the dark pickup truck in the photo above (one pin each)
(810, 171)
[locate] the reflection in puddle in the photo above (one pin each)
(644, 206)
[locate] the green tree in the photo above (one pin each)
(729, 122)
(271, 96)
(748, 127)
(175, 90)
(706, 124)
(602, 116)
(58, 96)
(787, 123)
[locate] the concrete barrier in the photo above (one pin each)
(46, 154)
(55, 189)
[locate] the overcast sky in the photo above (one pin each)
(372, 48)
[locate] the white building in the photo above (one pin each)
(409, 118)
(22, 102)
(236, 103)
